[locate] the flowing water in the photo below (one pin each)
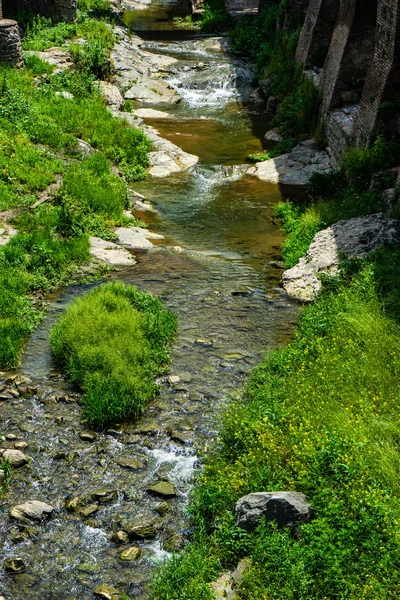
(218, 268)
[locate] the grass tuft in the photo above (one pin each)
(112, 343)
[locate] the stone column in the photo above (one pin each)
(10, 43)
(382, 83)
(350, 53)
(317, 30)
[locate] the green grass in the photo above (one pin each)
(39, 133)
(320, 416)
(113, 342)
(6, 467)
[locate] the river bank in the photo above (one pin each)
(217, 267)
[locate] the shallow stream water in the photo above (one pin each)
(218, 268)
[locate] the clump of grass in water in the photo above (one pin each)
(113, 342)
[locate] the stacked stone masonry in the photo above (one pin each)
(10, 43)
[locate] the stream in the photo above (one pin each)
(218, 267)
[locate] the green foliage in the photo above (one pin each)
(320, 416)
(36, 65)
(259, 156)
(301, 226)
(215, 18)
(5, 466)
(360, 164)
(112, 343)
(41, 34)
(297, 114)
(92, 57)
(96, 8)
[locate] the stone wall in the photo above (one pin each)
(10, 43)
(57, 10)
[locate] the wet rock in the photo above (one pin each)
(184, 437)
(173, 379)
(120, 537)
(151, 91)
(151, 429)
(144, 527)
(163, 489)
(2, 476)
(31, 510)
(20, 445)
(150, 113)
(89, 510)
(131, 463)
(265, 87)
(73, 504)
(88, 436)
(286, 508)
(104, 495)
(14, 565)
(27, 390)
(11, 437)
(136, 238)
(204, 343)
(353, 238)
(106, 591)
(130, 554)
(16, 458)
(162, 508)
(174, 543)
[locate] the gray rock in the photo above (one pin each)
(32, 510)
(163, 489)
(294, 168)
(273, 136)
(16, 458)
(66, 95)
(88, 436)
(111, 95)
(353, 238)
(107, 592)
(136, 238)
(286, 508)
(110, 253)
(130, 554)
(265, 86)
(145, 527)
(120, 537)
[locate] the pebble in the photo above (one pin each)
(174, 379)
(130, 463)
(130, 554)
(20, 445)
(88, 436)
(120, 537)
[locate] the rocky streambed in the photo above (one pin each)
(114, 502)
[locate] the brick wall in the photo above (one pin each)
(57, 10)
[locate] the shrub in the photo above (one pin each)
(112, 343)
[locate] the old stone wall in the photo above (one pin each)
(57, 10)
(10, 43)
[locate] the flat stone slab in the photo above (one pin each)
(32, 510)
(136, 238)
(110, 253)
(151, 113)
(152, 91)
(353, 238)
(294, 168)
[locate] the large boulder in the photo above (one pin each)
(286, 508)
(354, 238)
